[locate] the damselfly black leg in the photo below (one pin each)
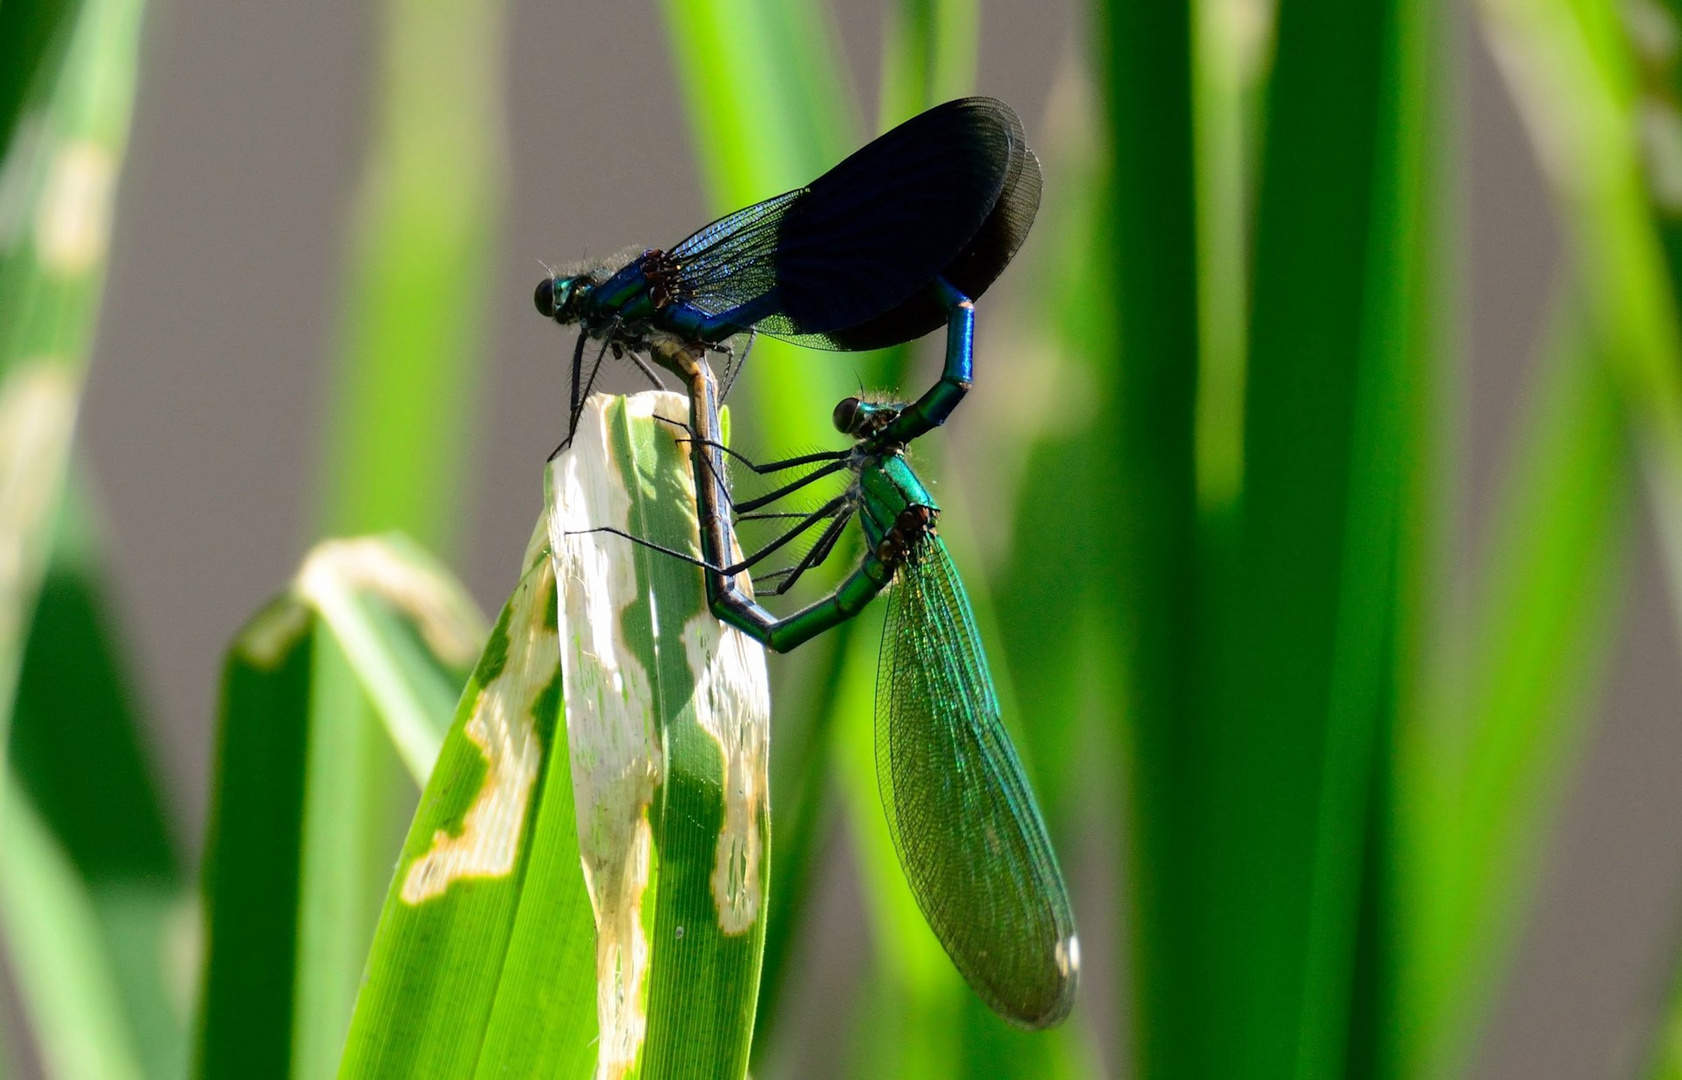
(648, 370)
(790, 488)
(819, 554)
(652, 546)
(835, 460)
(823, 513)
(841, 504)
(734, 367)
(773, 516)
(596, 365)
(576, 406)
(771, 467)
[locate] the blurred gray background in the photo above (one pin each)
(207, 401)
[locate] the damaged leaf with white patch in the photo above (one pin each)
(668, 715)
(447, 960)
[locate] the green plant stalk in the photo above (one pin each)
(1480, 764)
(413, 335)
(1667, 1048)
(1568, 65)
(33, 38)
(772, 119)
(1056, 643)
(1390, 426)
(59, 180)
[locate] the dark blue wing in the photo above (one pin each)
(963, 818)
(875, 231)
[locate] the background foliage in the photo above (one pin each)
(1301, 778)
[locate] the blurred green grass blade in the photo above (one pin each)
(57, 183)
(299, 814)
(443, 969)
(776, 114)
(1229, 46)
(411, 669)
(928, 56)
(1045, 593)
(1568, 67)
(58, 952)
(1300, 661)
(32, 38)
(668, 717)
(1349, 958)
(413, 335)
(1480, 772)
(1667, 1048)
(76, 749)
(1142, 470)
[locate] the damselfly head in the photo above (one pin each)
(557, 297)
(860, 419)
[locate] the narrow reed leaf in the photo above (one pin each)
(412, 680)
(1260, 793)
(1146, 582)
(58, 176)
(1667, 1048)
(1229, 49)
(668, 716)
(1569, 68)
(307, 718)
(586, 897)
(412, 335)
(1480, 771)
(59, 954)
(32, 42)
(78, 751)
(1044, 603)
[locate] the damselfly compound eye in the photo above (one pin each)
(545, 298)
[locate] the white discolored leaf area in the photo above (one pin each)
(668, 718)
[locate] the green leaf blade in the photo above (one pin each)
(439, 953)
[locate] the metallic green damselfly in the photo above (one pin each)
(964, 821)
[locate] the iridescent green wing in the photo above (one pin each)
(963, 818)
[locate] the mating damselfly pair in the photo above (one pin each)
(895, 241)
